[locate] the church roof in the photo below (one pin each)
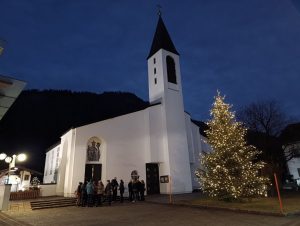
(202, 127)
(291, 133)
(161, 39)
(20, 168)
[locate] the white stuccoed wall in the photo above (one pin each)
(50, 165)
(64, 166)
(128, 143)
(46, 178)
(200, 146)
(157, 140)
(177, 163)
(194, 147)
(125, 141)
(48, 190)
(294, 164)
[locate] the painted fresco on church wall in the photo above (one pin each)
(93, 150)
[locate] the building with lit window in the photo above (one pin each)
(291, 145)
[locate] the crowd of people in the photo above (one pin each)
(94, 193)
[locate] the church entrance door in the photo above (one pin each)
(93, 171)
(152, 178)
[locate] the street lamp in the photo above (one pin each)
(12, 161)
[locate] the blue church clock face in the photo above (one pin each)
(93, 152)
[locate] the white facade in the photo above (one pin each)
(51, 164)
(128, 143)
(161, 135)
(18, 182)
(294, 163)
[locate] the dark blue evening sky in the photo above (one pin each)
(249, 50)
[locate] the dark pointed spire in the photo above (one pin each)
(161, 39)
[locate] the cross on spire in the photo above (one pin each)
(158, 9)
(161, 39)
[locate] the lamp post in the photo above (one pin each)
(12, 161)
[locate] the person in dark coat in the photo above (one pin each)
(121, 188)
(90, 193)
(142, 190)
(83, 194)
(139, 190)
(114, 185)
(108, 191)
(135, 191)
(130, 191)
(78, 194)
(95, 196)
(100, 193)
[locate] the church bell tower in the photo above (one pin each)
(164, 79)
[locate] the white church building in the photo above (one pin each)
(160, 142)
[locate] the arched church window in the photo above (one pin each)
(171, 71)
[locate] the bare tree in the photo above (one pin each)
(264, 116)
(290, 137)
(266, 120)
(291, 151)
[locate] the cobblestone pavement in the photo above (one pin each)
(140, 213)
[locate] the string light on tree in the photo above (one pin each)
(230, 171)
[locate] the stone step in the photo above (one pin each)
(54, 200)
(53, 203)
(52, 206)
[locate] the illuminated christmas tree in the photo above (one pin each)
(230, 171)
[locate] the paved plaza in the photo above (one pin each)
(139, 214)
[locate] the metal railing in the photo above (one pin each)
(30, 194)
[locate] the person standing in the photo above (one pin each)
(135, 193)
(139, 191)
(78, 194)
(121, 188)
(95, 196)
(90, 193)
(115, 185)
(142, 190)
(83, 194)
(130, 191)
(108, 191)
(100, 192)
